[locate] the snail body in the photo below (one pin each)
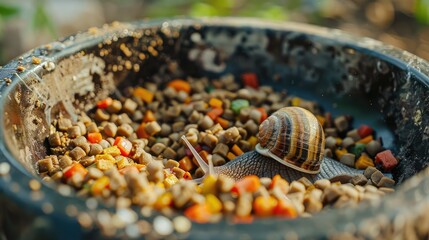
(291, 143)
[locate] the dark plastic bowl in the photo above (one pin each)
(379, 85)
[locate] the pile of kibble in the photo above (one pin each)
(127, 151)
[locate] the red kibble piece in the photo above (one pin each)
(189, 153)
(364, 131)
(104, 103)
(124, 145)
(386, 160)
(250, 80)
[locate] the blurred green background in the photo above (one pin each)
(25, 24)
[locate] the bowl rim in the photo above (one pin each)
(18, 176)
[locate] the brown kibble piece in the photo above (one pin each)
(376, 177)
(312, 205)
(65, 161)
(178, 126)
(101, 115)
(359, 179)
(55, 139)
(171, 163)
(92, 127)
(110, 129)
(296, 186)
(82, 127)
(157, 148)
(354, 135)
(210, 140)
(74, 132)
(331, 194)
(206, 122)
(169, 153)
(218, 160)
(64, 124)
(373, 148)
(45, 164)
(178, 172)
(322, 184)
(386, 182)
(77, 153)
(330, 142)
(341, 123)
(348, 159)
(152, 128)
(369, 171)
(115, 107)
(129, 106)
(95, 149)
(125, 130)
(87, 161)
(347, 142)
(307, 183)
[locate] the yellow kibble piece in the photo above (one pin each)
(104, 164)
(340, 152)
(296, 101)
(99, 185)
(163, 201)
(106, 157)
(363, 162)
(122, 162)
(213, 203)
(209, 185)
(114, 151)
(253, 141)
(215, 103)
(170, 180)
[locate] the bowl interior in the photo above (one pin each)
(341, 75)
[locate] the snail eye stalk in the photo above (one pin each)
(208, 169)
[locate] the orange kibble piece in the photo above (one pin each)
(144, 94)
(180, 85)
(280, 183)
(215, 103)
(129, 170)
(104, 103)
(366, 139)
(215, 113)
(95, 137)
(264, 114)
(149, 116)
(186, 164)
(263, 206)
(198, 213)
(230, 156)
(249, 183)
(223, 122)
(141, 131)
(236, 150)
(285, 208)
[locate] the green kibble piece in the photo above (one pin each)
(239, 104)
(357, 149)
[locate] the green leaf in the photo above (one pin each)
(422, 11)
(8, 11)
(202, 9)
(41, 20)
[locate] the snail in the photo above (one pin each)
(291, 143)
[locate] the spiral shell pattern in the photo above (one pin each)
(295, 137)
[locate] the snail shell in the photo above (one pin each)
(294, 137)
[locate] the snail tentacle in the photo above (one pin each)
(208, 169)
